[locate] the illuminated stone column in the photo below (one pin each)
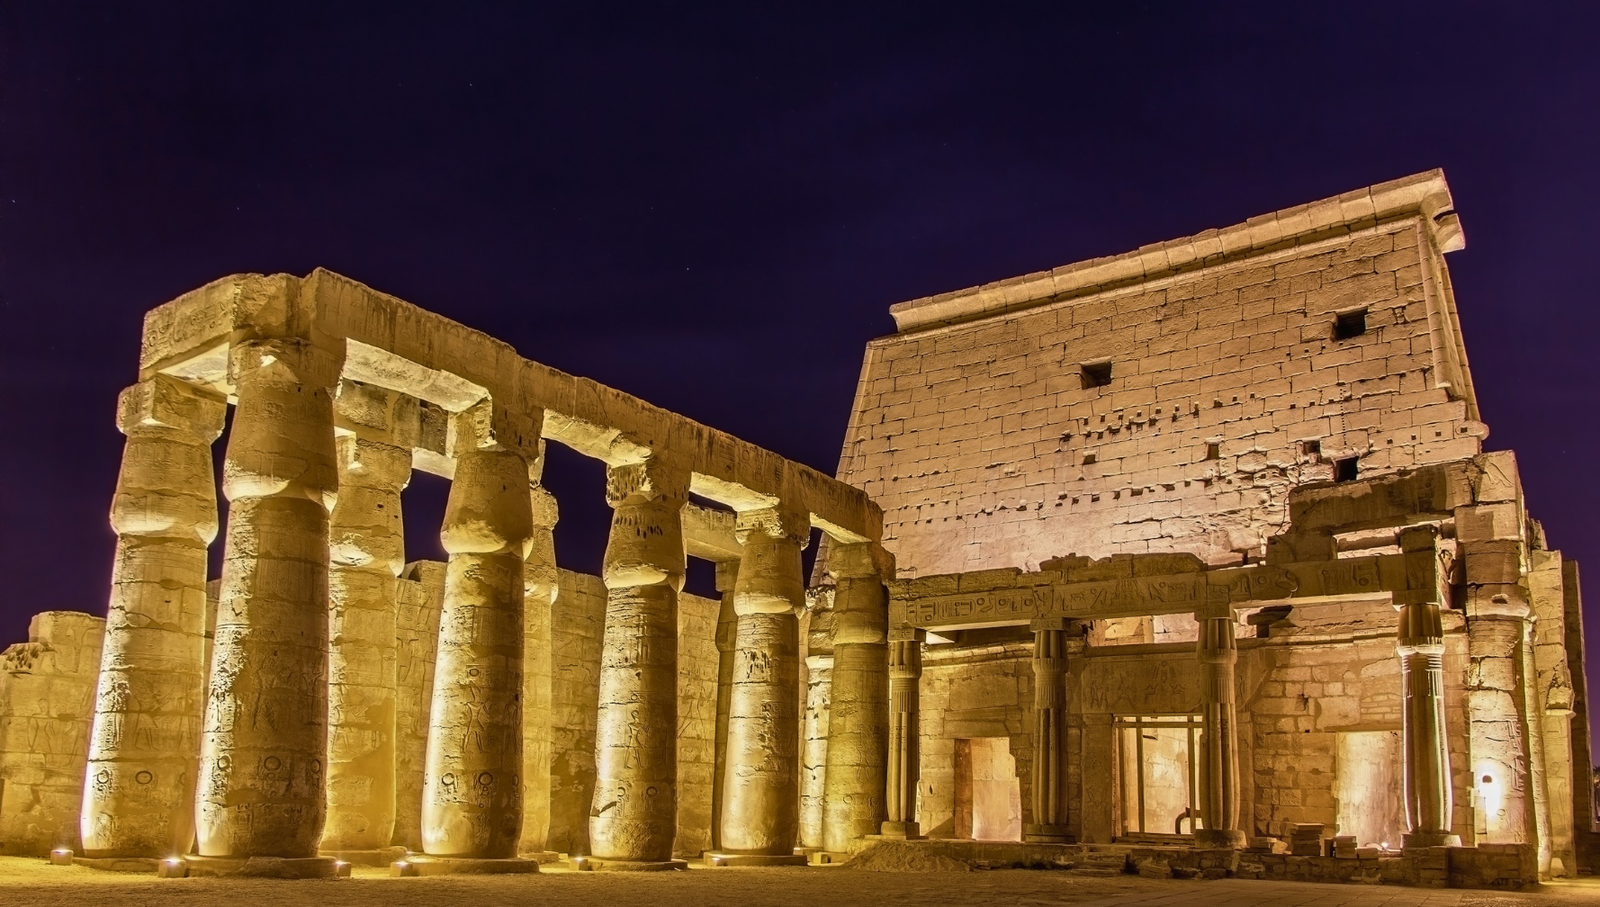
(1049, 733)
(1495, 637)
(634, 817)
(139, 791)
(262, 774)
(542, 584)
(858, 726)
(814, 735)
(904, 767)
(761, 788)
(472, 792)
(727, 637)
(376, 431)
(1428, 796)
(1218, 653)
(1497, 631)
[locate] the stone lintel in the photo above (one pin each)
(1018, 599)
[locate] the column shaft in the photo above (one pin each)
(1425, 748)
(727, 637)
(1218, 652)
(761, 792)
(904, 762)
(472, 795)
(814, 749)
(1499, 751)
(367, 553)
(139, 791)
(262, 778)
(858, 723)
(1049, 733)
(541, 581)
(634, 817)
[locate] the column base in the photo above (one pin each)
(1429, 839)
(901, 831)
(256, 867)
(541, 856)
(377, 856)
(428, 865)
(114, 864)
(597, 864)
(1219, 839)
(1047, 834)
(721, 860)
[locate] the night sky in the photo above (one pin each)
(714, 206)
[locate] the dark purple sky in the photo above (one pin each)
(714, 208)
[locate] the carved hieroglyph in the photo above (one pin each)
(140, 781)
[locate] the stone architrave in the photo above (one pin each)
(139, 787)
(633, 820)
(1428, 797)
(904, 764)
(727, 637)
(1049, 733)
(858, 726)
(262, 780)
(1218, 652)
(761, 787)
(472, 790)
(541, 581)
(376, 431)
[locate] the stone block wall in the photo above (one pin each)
(987, 447)
(47, 688)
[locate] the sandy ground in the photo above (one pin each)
(26, 882)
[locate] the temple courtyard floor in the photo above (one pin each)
(30, 881)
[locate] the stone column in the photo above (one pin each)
(262, 774)
(727, 635)
(858, 727)
(138, 794)
(1426, 751)
(1218, 652)
(761, 789)
(634, 817)
(1497, 622)
(814, 738)
(472, 792)
(542, 584)
(1049, 733)
(904, 766)
(377, 429)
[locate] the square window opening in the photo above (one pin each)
(1348, 325)
(1095, 374)
(1213, 451)
(1346, 470)
(1311, 448)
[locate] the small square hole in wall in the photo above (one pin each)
(1213, 451)
(1311, 448)
(1349, 324)
(1088, 459)
(1095, 374)
(1345, 470)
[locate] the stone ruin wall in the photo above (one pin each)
(985, 449)
(47, 690)
(46, 700)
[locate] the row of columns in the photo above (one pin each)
(289, 752)
(1426, 766)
